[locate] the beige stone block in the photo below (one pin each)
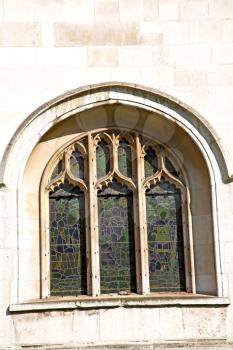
(222, 75)
(7, 77)
(222, 53)
(158, 76)
(107, 11)
(61, 57)
(47, 35)
(210, 31)
(135, 56)
(8, 200)
(73, 78)
(194, 9)
(11, 57)
(68, 10)
(163, 55)
(151, 33)
(227, 30)
(94, 75)
(20, 34)
(26, 78)
(19, 11)
(30, 206)
(102, 34)
(29, 264)
(150, 10)
(128, 74)
(1, 10)
(102, 56)
(221, 9)
(130, 10)
(8, 229)
(29, 290)
(185, 32)
(189, 76)
(167, 330)
(192, 54)
(54, 78)
(168, 10)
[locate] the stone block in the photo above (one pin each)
(192, 54)
(47, 35)
(194, 9)
(227, 30)
(222, 53)
(150, 10)
(94, 75)
(61, 57)
(72, 78)
(130, 10)
(11, 57)
(102, 34)
(158, 76)
(107, 11)
(19, 34)
(102, 56)
(29, 78)
(7, 77)
(168, 10)
(54, 78)
(189, 76)
(210, 31)
(184, 32)
(222, 75)
(135, 56)
(221, 9)
(129, 74)
(18, 11)
(60, 11)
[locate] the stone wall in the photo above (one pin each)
(181, 47)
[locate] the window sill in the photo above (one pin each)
(115, 301)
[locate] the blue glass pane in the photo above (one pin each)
(67, 242)
(170, 167)
(116, 232)
(150, 162)
(165, 238)
(125, 158)
(102, 159)
(77, 164)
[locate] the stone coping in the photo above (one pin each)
(115, 301)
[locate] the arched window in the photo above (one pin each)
(116, 218)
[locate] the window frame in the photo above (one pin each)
(91, 208)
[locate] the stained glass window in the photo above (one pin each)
(106, 203)
(102, 159)
(150, 162)
(125, 158)
(165, 240)
(77, 164)
(67, 241)
(57, 170)
(116, 232)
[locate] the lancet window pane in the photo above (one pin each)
(165, 242)
(102, 159)
(116, 240)
(150, 162)
(125, 158)
(77, 164)
(67, 241)
(57, 170)
(170, 167)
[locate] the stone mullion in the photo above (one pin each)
(93, 241)
(142, 226)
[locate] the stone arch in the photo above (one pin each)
(157, 104)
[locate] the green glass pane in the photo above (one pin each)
(102, 159)
(77, 164)
(67, 241)
(165, 238)
(57, 170)
(116, 239)
(125, 158)
(150, 162)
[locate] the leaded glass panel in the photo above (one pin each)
(57, 170)
(165, 240)
(116, 240)
(77, 164)
(102, 159)
(67, 241)
(125, 158)
(170, 167)
(150, 162)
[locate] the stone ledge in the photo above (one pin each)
(193, 300)
(201, 344)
